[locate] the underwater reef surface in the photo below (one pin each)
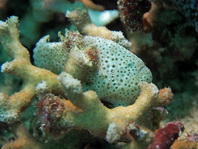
(88, 74)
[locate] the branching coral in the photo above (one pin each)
(90, 72)
(101, 121)
(41, 12)
(21, 67)
(91, 5)
(23, 139)
(172, 47)
(80, 18)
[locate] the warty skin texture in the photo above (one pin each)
(112, 71)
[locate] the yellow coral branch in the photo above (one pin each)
(81, 19)
(97, 118)
(91, 5)
(24, 139)
(21, 67)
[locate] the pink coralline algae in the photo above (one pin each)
(131, 12)
(166, 136)
(50, 110)
(193, 137)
